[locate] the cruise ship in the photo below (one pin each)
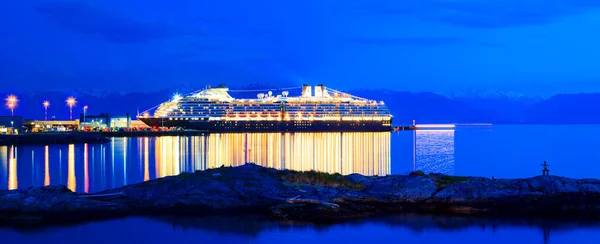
(324, 109)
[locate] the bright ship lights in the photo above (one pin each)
(320, 106)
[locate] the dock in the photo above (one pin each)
(433, 126)
(149, 133)
(404, 127)
(51, 138)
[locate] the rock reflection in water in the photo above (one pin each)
(250, 229)
(251, 226)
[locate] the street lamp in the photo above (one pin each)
(11, 106)
(71, 102)
(84, 110)
(11, 103)
(46, 105)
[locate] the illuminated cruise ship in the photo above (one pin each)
(325, 109)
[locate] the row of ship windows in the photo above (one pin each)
(297, 123)
(290, 114)
(288, 111)
(293, 110)
(285, 111)
(266, 126)
(277, 104)
(286, 107)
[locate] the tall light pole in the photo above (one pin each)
(46, 105)
(11, 103)
(84, 111)
(11, 106)
(71, 102)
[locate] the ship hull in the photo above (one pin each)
(271, 126)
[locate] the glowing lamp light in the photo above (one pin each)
(46, 105)
(71, 101)
(12, 99)
(11, 103)
(176, 97)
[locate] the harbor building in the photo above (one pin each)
(103, 121)
(8, 124)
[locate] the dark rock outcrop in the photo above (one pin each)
(306, 196)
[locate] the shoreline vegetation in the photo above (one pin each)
(307, 197)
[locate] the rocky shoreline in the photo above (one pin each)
(51, 138)
(307, 196)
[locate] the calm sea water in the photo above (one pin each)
(393, 229)
(499, 151)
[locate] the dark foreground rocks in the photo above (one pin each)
(306, 196)
(52, 138)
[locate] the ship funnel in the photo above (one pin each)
(319, 90)
(306, 91)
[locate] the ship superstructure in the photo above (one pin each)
(323, 109)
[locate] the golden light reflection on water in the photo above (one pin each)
(125, 160)
(46, 166)
(146, 160)
(3, 162)
(71, 181)
(345, 153)
(12, 169)
(86, 176)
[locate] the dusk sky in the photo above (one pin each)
(529, 46)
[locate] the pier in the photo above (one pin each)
(51, 138)
(403, 127)
(144, 133)
(424, 127)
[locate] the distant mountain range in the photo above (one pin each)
(424, 107)
(429, 107)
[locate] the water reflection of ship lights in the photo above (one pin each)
(345, 153)
(92, 168)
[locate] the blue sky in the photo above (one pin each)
(529, 46)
